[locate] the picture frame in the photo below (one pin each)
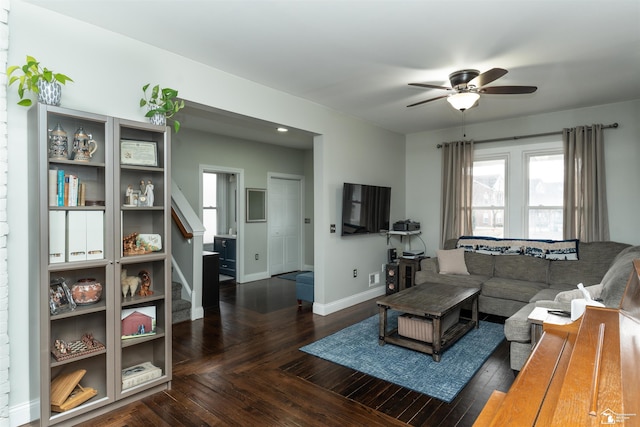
(138, 153)
(60, 298)
(256, 205)
(138, 322)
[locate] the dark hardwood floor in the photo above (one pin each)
(241, 366)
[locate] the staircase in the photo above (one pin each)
(181, 309)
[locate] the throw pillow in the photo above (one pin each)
(452, 261)
(567, 296)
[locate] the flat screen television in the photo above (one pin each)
(365, 209)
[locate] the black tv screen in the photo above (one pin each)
(365, 209)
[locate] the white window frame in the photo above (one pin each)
(516, 178)
(209, 208)
(505, 158)
(527, 155)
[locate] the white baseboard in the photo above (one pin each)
(332, 307)
(253, 277)
(197, 313)
(24, 413)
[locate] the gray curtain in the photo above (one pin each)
(457, 181)
(585, 215)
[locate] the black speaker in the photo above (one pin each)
(391, 278)
(392, 255)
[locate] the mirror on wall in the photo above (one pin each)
(256, 205)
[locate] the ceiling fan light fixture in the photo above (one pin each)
(463, 100)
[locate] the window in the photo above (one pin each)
(518, 191)
(489, 197)
(544, 202)
(209, 206)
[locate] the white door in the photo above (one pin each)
(284, 219)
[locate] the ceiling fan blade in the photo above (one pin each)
(488, 77)
(429, 86)
(507, 90)
(428, 100)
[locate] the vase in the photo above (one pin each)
(49, 92)
(86, 291)
(158, 119)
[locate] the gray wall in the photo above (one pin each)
(622, 154)
(110, 83)
(192, 149)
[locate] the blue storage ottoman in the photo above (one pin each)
(304, 287)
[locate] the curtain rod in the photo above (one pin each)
(535, 135)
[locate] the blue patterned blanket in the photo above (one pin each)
(545, 249)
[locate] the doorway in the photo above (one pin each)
(286, 201)
(219, 204)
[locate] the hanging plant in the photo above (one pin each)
(37, 79)
(161, 102)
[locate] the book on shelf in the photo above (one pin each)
(60, 187)
(73, 190)
(82, 193)
(65, 189)
(139, 374)
(53, 187)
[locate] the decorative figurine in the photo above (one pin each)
(58, 143)
(145, 284)
(83, 146)
(128, 200)
(128, 283)
(149, 193)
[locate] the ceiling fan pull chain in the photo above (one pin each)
(464, 130)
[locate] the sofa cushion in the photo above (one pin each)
(595, 260)
(511, 289)
(452, 262)
(521, 267)
(498, 306)
(428, 273)
(481, 264)
(615, 280)
(517, 327)
(469, 281)
(545, 294)
(568, 296)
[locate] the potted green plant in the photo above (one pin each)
(37, 79)
(162, 105)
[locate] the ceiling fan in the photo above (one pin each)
(467, 86)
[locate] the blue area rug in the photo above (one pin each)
(357, 347)
(291, 276)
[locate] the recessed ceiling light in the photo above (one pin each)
(281, 129)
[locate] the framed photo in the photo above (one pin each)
(256, 205)
(138, 153)
(139, 321)
(60, 299)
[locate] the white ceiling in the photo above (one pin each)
(357, 56)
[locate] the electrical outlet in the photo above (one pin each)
(355, 272)
(257, 257)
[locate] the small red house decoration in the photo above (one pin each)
(137, 323)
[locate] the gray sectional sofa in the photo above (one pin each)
(512, 285)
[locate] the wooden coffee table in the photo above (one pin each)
(430, 301)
